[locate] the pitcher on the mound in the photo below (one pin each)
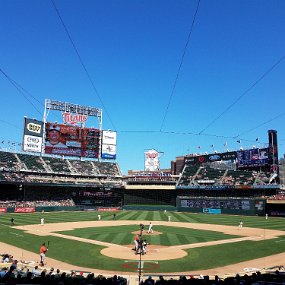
(150, 230)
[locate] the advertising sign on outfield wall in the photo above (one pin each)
(212, 211)
(25, 210)
(33, 132)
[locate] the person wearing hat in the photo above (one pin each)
(43, 251)
(53, 137)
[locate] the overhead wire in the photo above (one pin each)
(20, 89)
(180, 65)
(82, 62)
(185, 133)
(262, 124)
(12, 125)
(23, 91)
(244, 93)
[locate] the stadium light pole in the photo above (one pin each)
(140, 254)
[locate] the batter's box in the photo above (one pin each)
(144, 265)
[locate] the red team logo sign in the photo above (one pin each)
(74, 119)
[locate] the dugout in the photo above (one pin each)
(229, 205)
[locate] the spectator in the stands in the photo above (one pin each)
(3, 272)
(36, 272)
(14, 264)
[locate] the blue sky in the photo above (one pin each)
(230, 85)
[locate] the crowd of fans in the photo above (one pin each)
(14, 274)
(277, 197)
(36, 203)
(276, 277)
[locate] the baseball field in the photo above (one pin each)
(180, 242)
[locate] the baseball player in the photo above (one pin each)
(150, 230)
(136, 242)
(43, 251)
(240, 224)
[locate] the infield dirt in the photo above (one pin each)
(154, 252)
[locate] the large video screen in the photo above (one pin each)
(252, 157)
(72, 140)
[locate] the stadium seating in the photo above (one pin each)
(187, 175)
(8, 160)
(83, 167)
(57, 165)
(31, 162)
(21, 167)
(209, 174)
(217, 174)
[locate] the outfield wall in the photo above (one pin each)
(230, 205)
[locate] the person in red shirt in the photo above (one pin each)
(43, 251)
(136, 239)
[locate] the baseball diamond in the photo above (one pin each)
(253, 247)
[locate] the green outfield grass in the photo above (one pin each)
(197, 259)
(169, 235)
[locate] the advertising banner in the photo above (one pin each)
(212, 211)
(108, 151)
(32, 143)
(109, 137)
(109, 209)
(226, 156)
(24, 210)
(109, 142)
(3, 210)
(72, 140)
(33, 133)
(33, 127)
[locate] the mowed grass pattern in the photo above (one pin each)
(57, 217)
(169, 236)
(197, 259)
